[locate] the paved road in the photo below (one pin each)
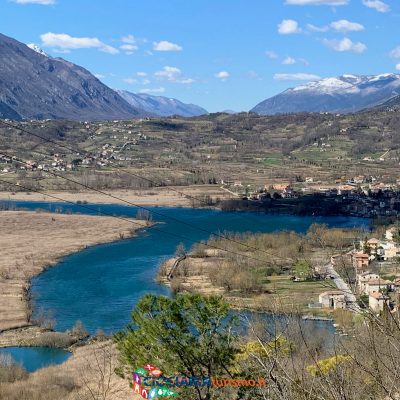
(349, 296)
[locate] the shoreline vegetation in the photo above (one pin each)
(33, 242)
(285, 275)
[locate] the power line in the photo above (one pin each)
(129, 220)
(15, 159)
(118, 169)
(224, 237)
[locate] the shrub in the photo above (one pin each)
(10, 371)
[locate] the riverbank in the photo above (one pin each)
(157, 197)
(34, 241)
(87, 374)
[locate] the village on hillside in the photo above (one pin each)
(370, 276)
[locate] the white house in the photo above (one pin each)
(332, 299)
(377, 285)
(363, 279)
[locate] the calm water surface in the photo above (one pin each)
(100, 285)
(34, 358)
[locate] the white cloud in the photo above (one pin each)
(129, 39)
(156, 90)
(166, 46)
(129, 48)
(141, 74)
(146, 81)
(317, 2)
(314, 28)
(345, 45)
(62, 41)
(344, 26)
(42, 2)
(378, 5)
(395, 53)
(289, 61)
(296, 77)
(99, 76)
(173, 74)
(271, 55)
(288, 27)
(129, 45)
(398, 67)
(223, 75)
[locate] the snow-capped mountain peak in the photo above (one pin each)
(36, 48)
(346, 93)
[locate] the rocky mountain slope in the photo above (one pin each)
(35, 86)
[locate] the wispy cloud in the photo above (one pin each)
(378, 5)
(289, 61)
(253, 75)
(395, 53)
(318, 2)
(345, 45)
(342, 25)
(41, 2)
(129, 48)
(64, 42)
(271, 55)
(296, 77)
(166, 46)
(129, 45)
(345, 26)
(99, 76)
(223, 75)
(173, 74)
(289, 27)
(314, 28)
(155, 90)
(129, 39)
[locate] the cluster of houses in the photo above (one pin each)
(107, 154)
(360, 196)
(372, 288)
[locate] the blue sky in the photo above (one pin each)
(219, 54)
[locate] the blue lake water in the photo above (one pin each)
(100, 285)
(34, 358)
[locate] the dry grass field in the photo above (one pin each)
(159, 196)
(33, 241)
(87, 375)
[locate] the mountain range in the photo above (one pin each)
(160, 105)
(343, 94)
(34, 85)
